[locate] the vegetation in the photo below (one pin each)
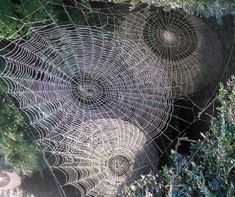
(206, 8)
(11, 15)
(16, 146)
(210, 168)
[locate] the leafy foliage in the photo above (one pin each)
(206, 8)
(11, 15)
(209, 170)
(16, 146)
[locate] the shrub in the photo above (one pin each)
(208, 171)
(206, 8)
(12, 13)
(16, 146)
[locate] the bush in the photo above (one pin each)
(16, 145)
(209, 170)
(206, 8)
(12, 13)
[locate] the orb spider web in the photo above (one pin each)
(99, 157)
(81, 79)
(182, 43)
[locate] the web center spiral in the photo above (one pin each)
(90, 91)
(119, 165)
(169, 37)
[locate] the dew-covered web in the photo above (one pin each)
(184, 44)
(106, 89)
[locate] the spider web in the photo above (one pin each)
(100, 95)
(183, 43)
